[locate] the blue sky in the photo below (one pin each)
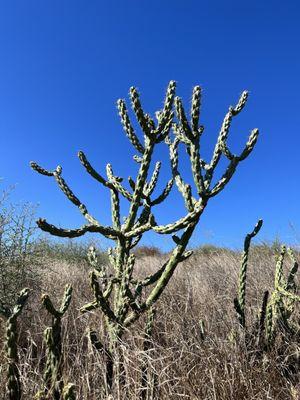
(65, 63)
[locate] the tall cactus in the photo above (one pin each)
(53, 381)
(13, 387)
(121, 297)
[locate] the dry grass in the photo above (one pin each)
(182, 364)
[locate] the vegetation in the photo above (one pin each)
(217, 330)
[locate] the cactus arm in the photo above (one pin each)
(47, 303)
(275, 308)
(84, 161)
(247, 149)
(131, 183)
(223, 134)
(166, 114)
(292, 273)
(219, 186)
(166, 130)
(106, 231)
(184, 125)
(183, 188)
(66, 190)
(195, 110)
(115, 209)
(138, 110)
(165, 193)
(70, 195)
(196, 166)
(279, 278)
(115, 181)
(66, 300)
(153, 181)
(234, 161)
(140, 182)
(191, 136)
(262, 319)
(150, 122)
(20, 303)
(184, 221)
(40, 169)
(102, 302)
(128, 126)
(144, 215)
(224, 131)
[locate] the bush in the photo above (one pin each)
(17, 231)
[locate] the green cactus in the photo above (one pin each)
(240, 301)
(277, 307)
(262, 322)
(53, 339)
(13, 387)
(122, 298)
(283, 298)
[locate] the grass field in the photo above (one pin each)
(197, 350)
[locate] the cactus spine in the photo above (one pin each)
(121, 297)
(13, 387)
(53, 339)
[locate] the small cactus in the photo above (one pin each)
(283, 297)
(277, 307)
(53, 339)
(13, 387)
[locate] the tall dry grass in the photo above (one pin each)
(183, 362)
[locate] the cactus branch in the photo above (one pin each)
(106, 231)
(128, 127)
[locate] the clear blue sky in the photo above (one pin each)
(65, 63)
